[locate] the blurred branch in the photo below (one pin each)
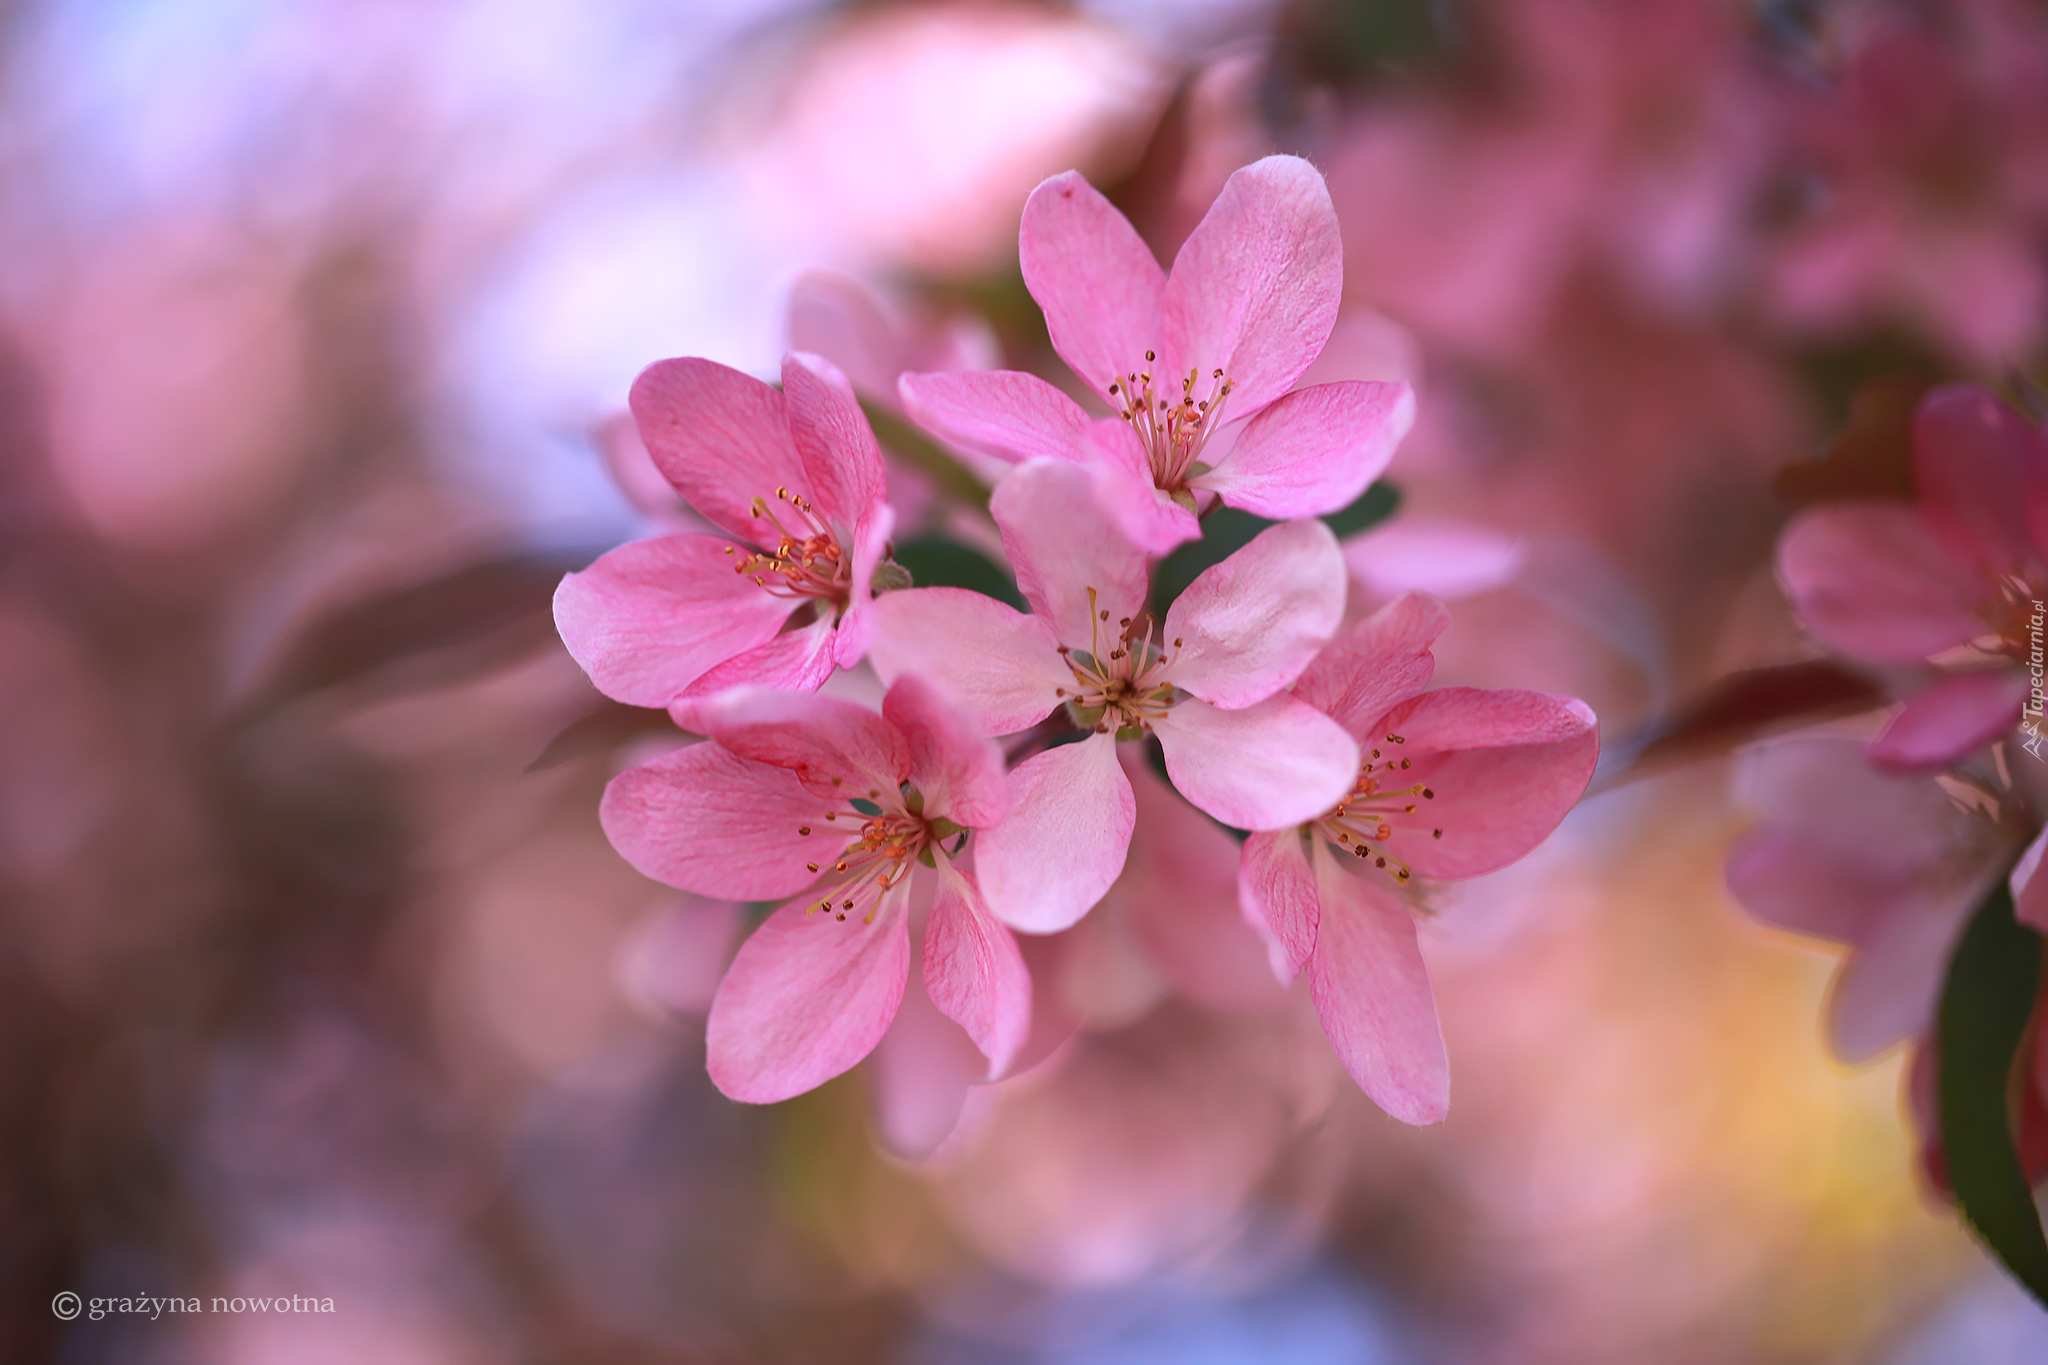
(1742, 707)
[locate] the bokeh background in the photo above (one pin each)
(312, 319)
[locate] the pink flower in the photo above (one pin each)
(1453, 783)
(1889, 866)
(1953, 579)
(1209, 685)
(1199, 365)
(796, 792)
(795, 479)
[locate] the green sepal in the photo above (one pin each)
(1127, 732)
(1987, 1004)
(1087, 717)
(924, 855)
(890, 577)
(942, 828)
(1184, 498)
(913, 799)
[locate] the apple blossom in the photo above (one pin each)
(1199, 365)
(1452, 783)
(794, 479)
(1209, 682)
(813, 795)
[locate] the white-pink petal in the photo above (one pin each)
(721, 437)
(1000, 413)
(797, 660)
(1274, 764)
(1001, 666)
(834, 748)
(807, 997)
(1377, 663)
(1277, 888)
(648, 619)
(1313, 451)
(957, 771)
(842, 462)
(1372, 993)
(974, 972)
(1100, 286)
(1074, 565)
(1064, 841)
(705, 820)
(1247, 627)
(1256, 287)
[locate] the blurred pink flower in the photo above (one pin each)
(1955, 579)
(796, 479)
(747, 816)
(1249, 305)
(1211, 687)
(1484, 776)
(1889, 866)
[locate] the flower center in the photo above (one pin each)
(1363, 821)
(1124, 690)
(1173, 434)
(889, 834)
(807, 563)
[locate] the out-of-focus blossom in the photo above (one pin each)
(1200, 365)
(795, 478)
(1927, 196)
(1453, 783)
(1210, 685)
(1956, 580)
(752, 816)
(1888, 865)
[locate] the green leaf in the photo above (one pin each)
(1227, 530)
(1985, 1007)
(938, 562)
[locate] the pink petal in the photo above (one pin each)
(1247, 627)
(974, 972)
(2029, 888)
(708, 821)
(838, 318)
(1179, 894)
(1444, 556)
(856, 627)
(959, 773)
(1784, 878)
(1382, 660)
(1277, 888)
(1069, 827)
(1268, 766)
(1000, 413)
(1827, 793)
(721, 437)
(1372, 993)
(920, 1076)
(1097, 281)
(1148, 518)
(1949, 719)
(842, 463)
(1255, 289)
(1975, 462)
(795, 661)
(836, 749)
(808, 996)
(999, 665)
(1074, 565)
(1874, 581)
(1505, 766)
(648, 619)
(1313, 450)
(1888, 989)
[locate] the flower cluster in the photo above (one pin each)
(1888, 848)
(992, 795)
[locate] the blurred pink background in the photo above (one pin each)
(308, 985)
